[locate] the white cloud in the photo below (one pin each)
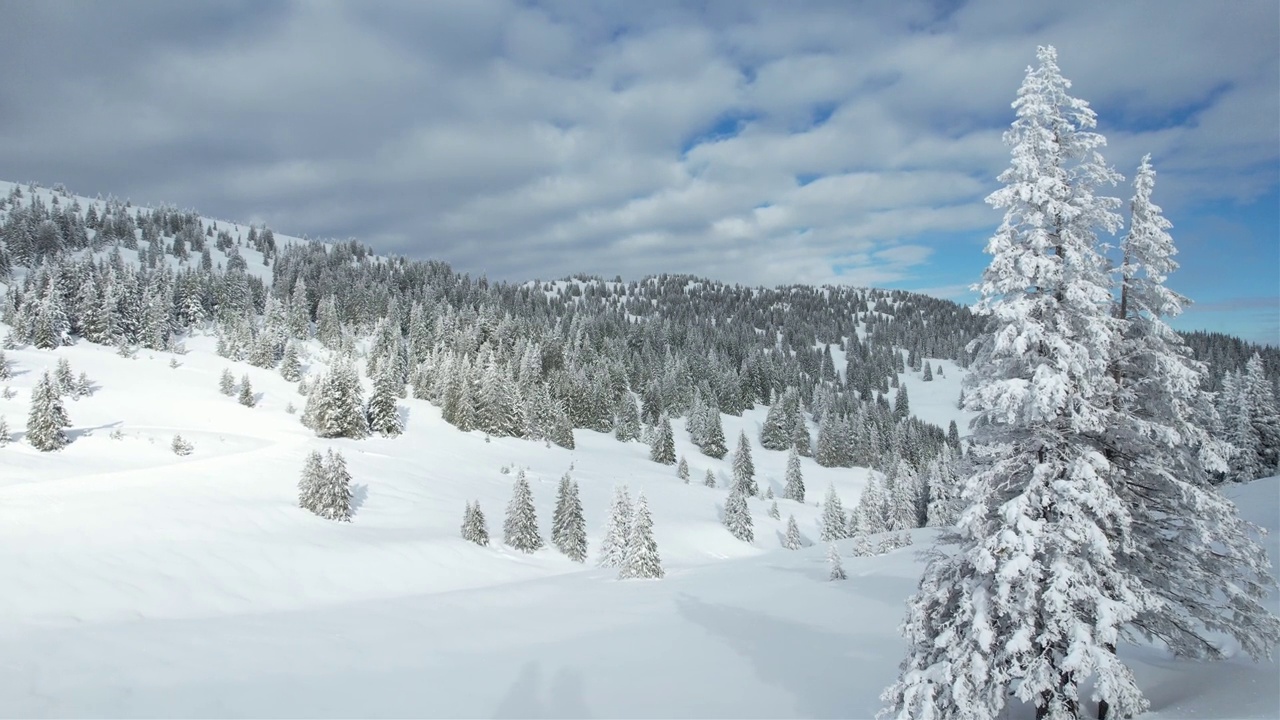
(525, 140)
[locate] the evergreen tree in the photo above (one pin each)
(290, 365)
(474, 528)
(6, 372)
(641, 559)
(774, 434)
(793, 487)
(617, 530)
(330, 494)
(246, 397)
(568, 526)
(773, 511)
(1263, 414)
(5, 436)
(743, 469)
(710, 479)
(1036, 566)
(47, 417)
(383, 413)
(227, 383)
(682, 470)
(627, 426)
(338, 409)
(737, 515)
(312, 476)
(833, 519)
(792, 540)
(837, 569)
(663, 447)
(713, 444)
(901, 406)
(1186, 542)
(520, 529)
(953, 435)
(928, 373)
(800, 439)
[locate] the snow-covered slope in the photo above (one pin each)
(143, 583)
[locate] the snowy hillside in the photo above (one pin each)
(142, 582)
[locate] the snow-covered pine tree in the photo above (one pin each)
(474, 527)
(663, 448)
(737, 515)
(682, 470)
(383, 414)
(246, 397)
(339, 402)
(793, 486)
(713, 444)
(568, 525)
(1186, 541)
(744, 470)
(331, 497)
(6, 371)
(901, 405)
(308, 484)
(617, 529)
(800, 438)
(1034, 596)
(792, 540)
(47, 417)
(520, 528)
(774, 433)
(290, 365)
(709, 479)
(833, 559)
(227, 383)
(928, 373)
(5, 435)
(1263, 413)
(773, 511)
(627, 426)
(833, 518)
(641, 558)
(65, 378)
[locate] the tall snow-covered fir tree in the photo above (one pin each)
(47, 417)
(641, 559)
(330, 496)
(568, 524)
(709, 479)
(791, 540)
(520, 528)
(712, 442)
(383, 414)
(663, 447)
(793, 483)
(834, 523)
(613, 547)
(737, 514)
(246, 397)
(1187, 542)
(227, 382)
(312, 476)
(337, 403)
(1035, 595)
(474, 527)
(744, 470)
(833, 559)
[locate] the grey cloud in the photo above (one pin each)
(538, 139)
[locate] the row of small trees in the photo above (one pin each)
(628, 543)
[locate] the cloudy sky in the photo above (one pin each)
(753, 142)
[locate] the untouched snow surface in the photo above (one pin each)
(140, 583)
